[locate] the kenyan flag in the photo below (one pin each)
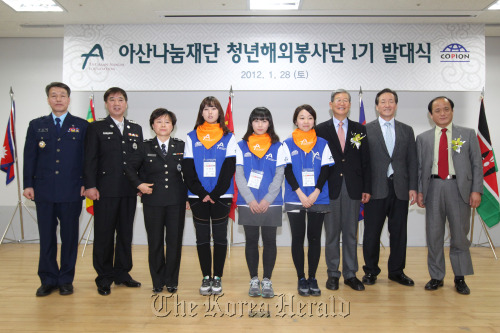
(489, 210)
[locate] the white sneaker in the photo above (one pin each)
(254, 290)
(267, 288)
(216, 285)
(206, 286)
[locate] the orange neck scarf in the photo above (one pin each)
(259, 144)
(209, 134)
(305, 140)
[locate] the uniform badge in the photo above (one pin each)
(179, 167)
(134, 145)
(111, 126)
(41, 144)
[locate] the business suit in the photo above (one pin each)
(449, 199)
(165, 208)
(105, 152)
(390, 195)
(349, 178)
(53, 166)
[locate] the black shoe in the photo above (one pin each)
(104, 290)
(172, 289)
(157, 290)
(130, 283)
(354, 283)
(66, 289)
(369, 279)
(303, 287)
(45, 290)
(461, 287)
(433, 284)
(332, 283)
(313, 287)
(401, 279)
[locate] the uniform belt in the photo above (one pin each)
(448, 177)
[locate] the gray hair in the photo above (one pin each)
(341, 91)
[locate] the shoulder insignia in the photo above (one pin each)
(101, 119)
(132, 122)
(177, 139)
(148, 140)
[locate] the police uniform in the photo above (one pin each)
(105, 156)
(53, 167)
(165, 208)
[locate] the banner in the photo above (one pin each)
(442, 57)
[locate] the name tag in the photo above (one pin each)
(107, 133)
(308, 178)
(255, 179)
(151, 155)
(209, 168)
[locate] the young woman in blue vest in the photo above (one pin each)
(306, 193)
(209, 165)
(260, 165)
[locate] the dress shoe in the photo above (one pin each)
(401, 279)
(157, 290)
(354, 283)
(369, 279)
(172, 289)
(461, 287)
(45, 290)
(129, 283)
(332, 283)
(104, 290)
(433, 284)
(66, 289)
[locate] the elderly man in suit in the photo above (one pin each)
(349, 184)
(53, 170)
(393, 156)
(450, 182)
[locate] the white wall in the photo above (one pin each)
(28, 64)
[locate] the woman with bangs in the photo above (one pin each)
(306, 193)
(209, 165)
(260, 164)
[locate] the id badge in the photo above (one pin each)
(255, 179)
(209, 168)
(308, 178)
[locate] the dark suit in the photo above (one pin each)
(53, 167)
(390, 196)
(105, 155)
(449, 199)
(349, 178)
(165, 208)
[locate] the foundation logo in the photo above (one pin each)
(95, 52)
(455, 53)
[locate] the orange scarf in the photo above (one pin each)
(305, 140)
(259, 144)
(209, 134)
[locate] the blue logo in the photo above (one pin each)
(97, 48)
(455, 53)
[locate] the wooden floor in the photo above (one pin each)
(384, 307)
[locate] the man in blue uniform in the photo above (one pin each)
(53, 178)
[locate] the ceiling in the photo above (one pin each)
(19, 24)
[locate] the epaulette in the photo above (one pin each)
(177, 139)
(133, 122)
(100, 119)
(148, 140)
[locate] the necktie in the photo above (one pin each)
(389, 143)
(443, 155)
(341, 135)
(120, 127)
(58, 126)
(163, 150)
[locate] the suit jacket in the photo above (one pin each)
(468, 163)
(53, 164)
(352, 165)
(105, 155)
(404, 160)
(162, 171)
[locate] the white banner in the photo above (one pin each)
(415, 57)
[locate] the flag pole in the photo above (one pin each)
(481, 98)
(231, 239)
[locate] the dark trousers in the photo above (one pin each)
(376, 211)
(48, 214)
(298, 228)
(206, 215)
(167, 223)
(113, 215)
(252, 249)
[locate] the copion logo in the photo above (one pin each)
(455, 53)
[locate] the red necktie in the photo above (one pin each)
(443, 155)
(341, 135)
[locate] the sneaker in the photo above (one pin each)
(267, 288)
(206, 286)
(303, 287)
(254, 290)
(216, 285)
(313, 287)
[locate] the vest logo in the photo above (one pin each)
(269, 157)
(97, 48)
(247, 154)
(206, 137)
(295, 152)
(198, 144)
(455, 53)
(316, 155)
(220, 145)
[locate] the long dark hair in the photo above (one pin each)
(261, 113)
(211, 101)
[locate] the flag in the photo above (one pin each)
(228, 120)
(362, 121)
(7, 161)
(89, 204)
(489, 209)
